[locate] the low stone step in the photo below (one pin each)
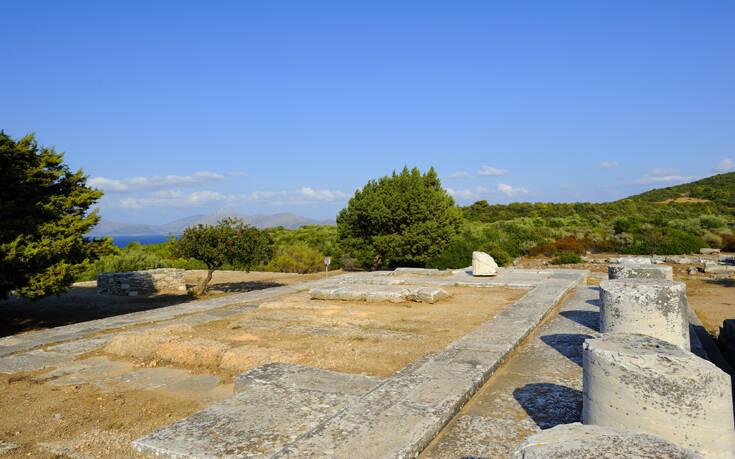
(378, 293)
(273, 406)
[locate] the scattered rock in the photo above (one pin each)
(483, 265)
(692, 270)
(708, 251)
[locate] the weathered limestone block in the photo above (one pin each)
(135, 282)
(587, 441)
(711, 268)
(419, 272)
(379, 293)
(483, 265)
(726, 259)
(640, 382)
(649, 306)
(640, 271)
(708, 251)
(635, 260)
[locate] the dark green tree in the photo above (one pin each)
(44, 214)
(402, 220)
(230, 241)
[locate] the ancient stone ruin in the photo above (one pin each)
(640, 376)
(141, 282)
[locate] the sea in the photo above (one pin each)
(122, 241)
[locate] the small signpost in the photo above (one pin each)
(327, 261)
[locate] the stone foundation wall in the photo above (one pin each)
(141, 282)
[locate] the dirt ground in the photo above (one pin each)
(81, 420)
(84, 420)
(713, 300)
(354, 337)
(82, 303)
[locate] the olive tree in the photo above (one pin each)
(230, 241)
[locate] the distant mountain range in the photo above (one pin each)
(287, 220)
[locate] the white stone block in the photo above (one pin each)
(483, 265)
(640, 271)
(578, 441)
(649, 306)
(633, 381)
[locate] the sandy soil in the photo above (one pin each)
(82, 303)
(83, 420)
(354, 337)
(712, 300)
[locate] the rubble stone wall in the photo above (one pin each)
(141, 282)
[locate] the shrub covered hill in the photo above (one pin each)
(673, 220)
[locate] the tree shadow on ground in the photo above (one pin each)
(722, 282)
(589, 319)
(83, 303)
(550, 404)
(567, 344)
(239, 287)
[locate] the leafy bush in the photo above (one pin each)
(567, 244)
(728, 242)
(567, 258)
(297, 259)
(402, 220)
(712, 240)
(458, 254)
(501, 257)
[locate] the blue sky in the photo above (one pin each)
(179, 108)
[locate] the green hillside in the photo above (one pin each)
(718, 189)
(677, 219)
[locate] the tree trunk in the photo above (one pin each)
(205, 282)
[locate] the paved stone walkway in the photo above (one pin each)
(395, 418)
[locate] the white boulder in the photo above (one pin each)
(483, 265)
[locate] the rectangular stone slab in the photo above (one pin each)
(276, 404)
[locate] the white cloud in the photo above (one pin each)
(511, 191)
(460, 174)
(175, 198)
(492, 171)
(665, 174)
(609, 164)
(726, 165)
(237, 174)
(467, 193)
(133, 184)
(662, 172)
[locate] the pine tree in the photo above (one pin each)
(402, 220)
(43, 218)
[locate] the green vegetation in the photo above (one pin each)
(230, 241)
(43, 218)
(402, 220)
(391, 222)
(566, 258)
(300, 259)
